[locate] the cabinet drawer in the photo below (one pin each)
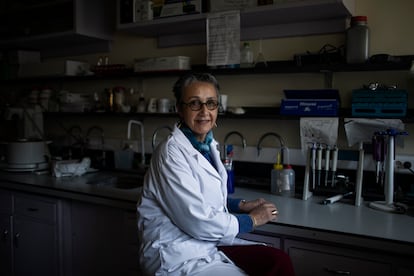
(5, 202)
(314, 259)
(36, 207)
(269, 240)
(131, 229)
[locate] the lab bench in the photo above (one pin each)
(321, 239)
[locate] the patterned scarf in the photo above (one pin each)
(203, 147)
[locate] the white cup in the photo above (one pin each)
(163, 105)
(223, 102)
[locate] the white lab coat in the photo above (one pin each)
(182, 213)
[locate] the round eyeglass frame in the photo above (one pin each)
(197, 105)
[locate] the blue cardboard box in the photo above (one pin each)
(317, 102)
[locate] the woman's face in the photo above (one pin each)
(203, 120)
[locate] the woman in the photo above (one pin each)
(184, 220)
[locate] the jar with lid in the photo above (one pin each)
(357, 40)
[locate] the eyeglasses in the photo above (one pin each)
(196, 105)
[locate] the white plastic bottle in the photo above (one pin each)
(246, 56)
(357, 40)
(287, 187)
(141, 103)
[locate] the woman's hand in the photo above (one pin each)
(263, 213)
(247, 206)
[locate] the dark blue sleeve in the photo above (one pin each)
(245, 223)
(233, 204)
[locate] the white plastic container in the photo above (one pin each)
(357, 41)
(283, 181)
(275, 178)
(246, 56)
(287, 187)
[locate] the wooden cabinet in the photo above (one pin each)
(6, 233)
(404, 270)
(57, 27)
(318, 252)
(105, 240)
(31, 235)
(35, 236)
(316, 259)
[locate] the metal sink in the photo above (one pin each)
(117, 180)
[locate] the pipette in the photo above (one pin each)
(319, 163)
(327, 157)
(334, 164)
(378, 154)
(313, 165)
(335, 198)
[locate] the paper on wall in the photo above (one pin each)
(223, 38)
(362, 129)
(318, 130)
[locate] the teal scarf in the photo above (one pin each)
(203, 147)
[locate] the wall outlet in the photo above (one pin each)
(403, 163)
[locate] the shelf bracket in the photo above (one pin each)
(328, 78)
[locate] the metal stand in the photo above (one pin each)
(388, 205)
(360, 175)
(306, 192)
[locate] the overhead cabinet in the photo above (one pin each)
(57, 27)
(291, 18)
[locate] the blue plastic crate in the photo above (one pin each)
(379, 96)
(379, 109)
(379, 103)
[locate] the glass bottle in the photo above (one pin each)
(246, 56)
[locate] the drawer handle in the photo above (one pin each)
(31, 209)
(5, 234)
(337, 272)
(16, 240)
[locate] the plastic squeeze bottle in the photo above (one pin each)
(287, 187)
(276, 177)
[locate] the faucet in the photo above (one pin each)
(228, 136)
(280, 139)
(154, 135)
(141, 127)
(75, 133)
(100, 129)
